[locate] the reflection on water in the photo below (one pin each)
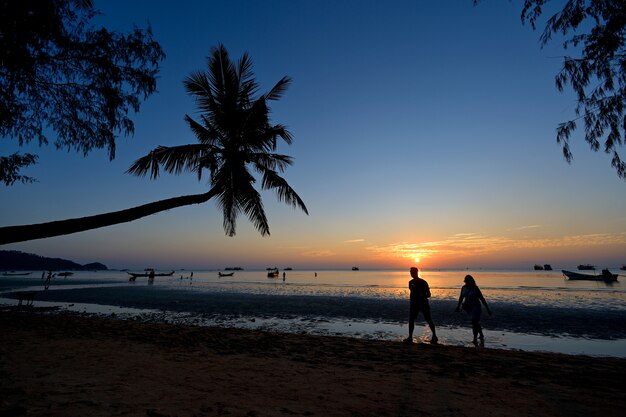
(545, 288)
(561, 306)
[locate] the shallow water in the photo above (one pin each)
(533, 310)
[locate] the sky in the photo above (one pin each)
(424, 133)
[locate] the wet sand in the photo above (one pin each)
(579, 321)
(72, 365)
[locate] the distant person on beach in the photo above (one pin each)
(48, 279)
(470, 299)
(420, 293)
(151, 277)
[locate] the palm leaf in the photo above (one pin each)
(174, 159)
(286, 194)
(279, 89)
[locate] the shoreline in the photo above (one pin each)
(77, 365)
(572, 331)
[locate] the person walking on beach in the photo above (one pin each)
(471, 298)
(48, 279)
(420, 293)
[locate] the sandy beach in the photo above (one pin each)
(75, 365)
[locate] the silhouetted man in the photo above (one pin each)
(420, 293)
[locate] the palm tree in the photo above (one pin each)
(234, 137)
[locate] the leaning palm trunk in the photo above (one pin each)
(13, 234)
(235, 137)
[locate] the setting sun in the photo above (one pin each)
(417, 260)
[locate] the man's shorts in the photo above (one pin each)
(420, 305)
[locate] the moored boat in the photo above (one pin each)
(547, 267)
(586, 267)
(147, 274)
(65, 274)
(605, 276)
(538, 267)
(355, 268)
(222, 274)
(272, 273)
(16, 274)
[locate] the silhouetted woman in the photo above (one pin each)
(471, 299)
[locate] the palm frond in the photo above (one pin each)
(282, 132)
(199, 86)
(173, 159)
(286, 194)
(206, 134)
(278, 90)
(236, 194)
(270, 161)
(248, 86)
(145, 164)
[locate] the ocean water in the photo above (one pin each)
(532, 310)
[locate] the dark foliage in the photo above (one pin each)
(11, 165)
(62, 77)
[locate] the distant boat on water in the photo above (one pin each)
(586, 267)
(229, 274)
(605, 276)
(547, 267)
(623, 268)
(16, 274)
(65, 274)
(538, 267)
(147, 274)
(355, 268)
(233, 268)
(272, 272)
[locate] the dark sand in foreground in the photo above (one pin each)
(68, 365)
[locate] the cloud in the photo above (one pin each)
(354, 241)
(534, 226)
(472, 244)
(319, 253)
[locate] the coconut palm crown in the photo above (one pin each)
(235, 140)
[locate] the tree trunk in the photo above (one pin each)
(12, 234)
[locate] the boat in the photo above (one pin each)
(233, 268)
(623, 268)
(272, 273)
(147, 274)
(355, 268)
(16, 274)
(65, 274)
(547, 267)
(229, 274)
(538, 267)
(288, 269)
(605, 276)
(586, 267)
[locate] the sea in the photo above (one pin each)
(531, 310)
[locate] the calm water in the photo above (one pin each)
(524, 287)
(533, 310)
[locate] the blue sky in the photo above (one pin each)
(422, 130)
